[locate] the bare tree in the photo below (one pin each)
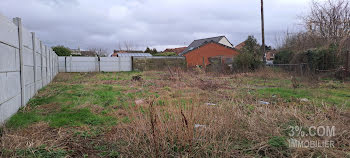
(329, 20)
(127, 45)
(100, 52)
(301, 41)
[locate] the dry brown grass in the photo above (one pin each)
(225, 129)
(237, 126)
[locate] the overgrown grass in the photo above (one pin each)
(285, 93)
(182, 114)
(78, 117)
(337, 97)
(41, 151)
(23, 119)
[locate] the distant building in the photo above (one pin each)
(80, 52)
(88, 53)
(127, 51)
(270, 55)
(76, 52)
(175, 50)
(131, 55)
(240, 46)
(200, 50)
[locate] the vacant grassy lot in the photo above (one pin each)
(178, 114)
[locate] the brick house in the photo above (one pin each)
(240, 46)
(203, 49)
(270, 55)
(175, 50)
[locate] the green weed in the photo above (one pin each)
(278, 142)
(285, 93)
(23, 119)
(78, 117)
(41, 151)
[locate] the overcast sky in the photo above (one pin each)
(154, 23)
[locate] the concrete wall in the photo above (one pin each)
(94, 64)
(116, 64)
(157, 63)
(26, 65)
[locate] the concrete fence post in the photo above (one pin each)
(97, 64)
(57, 68)
(34, 61)
(50, 74)
(52, 62)
(51, 59)
(17, 21)
(119, 64)
(42, 62)
(132, 63)
(70, 63)
(47, 66)
(65, 64)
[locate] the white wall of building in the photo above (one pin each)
(225, 42)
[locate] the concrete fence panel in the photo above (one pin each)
(110, 64)
(62, 64)
(115, 64)
(22, 66)
(125, 63)
(81, 64)
(94, 64)
(10, 88)
(9, 62)
(8, 32)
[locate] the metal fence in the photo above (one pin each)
(301, 69)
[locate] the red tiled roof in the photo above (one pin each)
(175, 50)
(240, 46)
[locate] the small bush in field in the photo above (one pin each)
(249, 57)
(278, 142)
(246, 61)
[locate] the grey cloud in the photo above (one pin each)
(104, 23)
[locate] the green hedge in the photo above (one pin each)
(165, 54)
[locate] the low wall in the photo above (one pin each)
(157, 63)
(94, 64)
(26, 65)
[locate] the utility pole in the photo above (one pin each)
(263, 30)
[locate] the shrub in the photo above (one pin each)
(283, 57)
(148, 50)
(322, 59)
(62, 51)
(166, 54)
(250, 55)
(246, 61)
